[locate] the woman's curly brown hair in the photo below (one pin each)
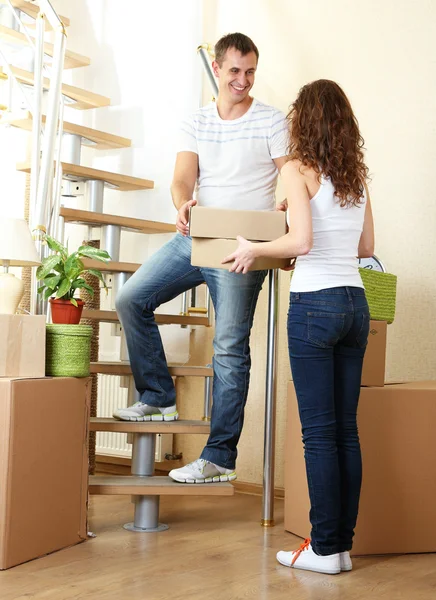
(324, 135)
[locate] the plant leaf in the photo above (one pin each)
(77, 283)
(73, 301)
(48, 264)
(85, 286)
(97, 274)
(64, 288)
(52, 280)
(55, 245)
(95, 253)
(71, 264)
(40, 289)
(47, 294)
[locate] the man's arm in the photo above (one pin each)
(182, 187)
(279, 162)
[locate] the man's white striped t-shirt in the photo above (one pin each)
(236, 168)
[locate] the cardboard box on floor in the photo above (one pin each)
(22, 345)
(43, 466)
(374, 364)
(214, 232)
(396, 427)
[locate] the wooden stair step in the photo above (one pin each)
(123, 368)
(100, 140)
(111, 266)
(72, 59)
(78, 98)
(154, 486)
(123, 183)
(110, 316)
(86, 217)
(32, 10)
(180, 426)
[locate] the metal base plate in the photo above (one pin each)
(131, 527)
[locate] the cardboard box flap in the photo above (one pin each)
(253, 225)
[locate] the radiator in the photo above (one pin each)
(111, 396)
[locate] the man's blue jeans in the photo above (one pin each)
(328, 332)
(167, 274)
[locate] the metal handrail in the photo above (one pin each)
(44, 197)
(205, 51)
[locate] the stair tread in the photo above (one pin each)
(80, 99)
(72, 59)
(180, 426)
(100, 139)
(32, 9)
(154, 486)
(110, 316)
(123, 183)
(73, 215)
(123, 368)
(111, 266)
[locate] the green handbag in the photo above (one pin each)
(381, 293)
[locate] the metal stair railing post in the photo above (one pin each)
(270, 390)
(146, 514)
(270, 402)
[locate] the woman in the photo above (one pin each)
(330, 225)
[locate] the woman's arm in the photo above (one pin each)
(297, 242)
(366, 242)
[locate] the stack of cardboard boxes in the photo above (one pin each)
(396, 427)
(43, 448)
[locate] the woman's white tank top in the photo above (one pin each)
(332, 262)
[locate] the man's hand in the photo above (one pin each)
(242, 258)
(283, 206)
(183, 217)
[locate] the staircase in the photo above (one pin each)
(141, 484)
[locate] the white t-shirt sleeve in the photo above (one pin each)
(187, 136)
(279, 135)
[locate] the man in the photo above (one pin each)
(232, 150)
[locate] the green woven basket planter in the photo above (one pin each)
(68, 349)
(381, 293)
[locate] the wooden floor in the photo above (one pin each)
(215, 549)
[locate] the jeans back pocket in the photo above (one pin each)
(324, 329)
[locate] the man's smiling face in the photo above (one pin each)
(236, 75)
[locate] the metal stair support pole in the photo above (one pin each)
(71, 148)
(146, 515)
(207, 398)
(270, 403)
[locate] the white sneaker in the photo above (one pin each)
(305, 558)
(202, 471)
(346, 564)
(144, 412)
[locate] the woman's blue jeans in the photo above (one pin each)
(327, 333)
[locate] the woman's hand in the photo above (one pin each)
(243, 257)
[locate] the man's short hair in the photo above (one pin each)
(239, 41)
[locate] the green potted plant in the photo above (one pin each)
(62, 275)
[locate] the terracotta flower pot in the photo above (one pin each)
(63, 312)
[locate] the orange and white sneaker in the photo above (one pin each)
(306, 559)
